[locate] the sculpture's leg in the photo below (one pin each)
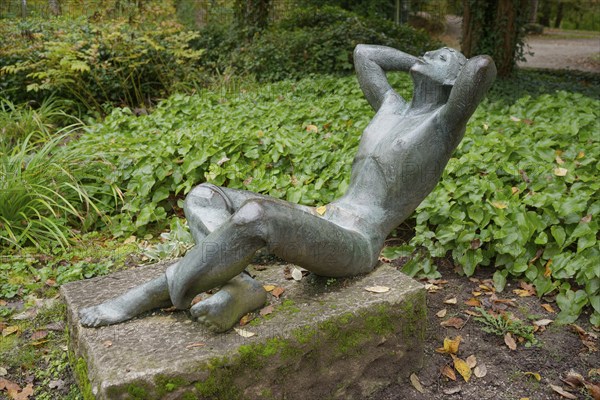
(150, 295)
(289, 231)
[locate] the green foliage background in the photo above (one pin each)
(502, 201)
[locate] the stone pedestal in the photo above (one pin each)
(325, 338)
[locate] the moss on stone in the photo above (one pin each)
(342, 336)
(80, 371)
(166, 384)
(137, 392)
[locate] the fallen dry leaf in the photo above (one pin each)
(563, 392)
(522, 293)
(548, 308)
(9, 330)
(452, 390)
(431, 288)
(194, 345)
(39, 335)
(452, 300)
(472, 313)
(312, 128)
(471, 361)
(450, 345)
(438, 281)
(377, 289)
(269, 288)
(542, 322)
(486, 288)
(244, 333)
(414, 380)
(473, 302)
(266, 310)
(24, 394)
(462, 368)
(56, 384)
(247, 318)
(296, 274)
(278, 291)
(560, 171)
(573, 379)
(587, 338)
(321, 210)
(509, 341)
(480, 371)
(448, 372)
(499, 204)
(7, 385)
(594, 372)
(107, 343)
(453, 322)
(441, 313)
(535, 375)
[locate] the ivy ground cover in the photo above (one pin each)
(521, 194)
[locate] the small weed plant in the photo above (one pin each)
(504, 323)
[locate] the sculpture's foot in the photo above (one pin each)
(142, 298)
(103, 314)
(224, 309)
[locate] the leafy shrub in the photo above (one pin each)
(296, 140)
(290, 140)
(45, 190)
(521, 194)
(120, 62)
(311, 40)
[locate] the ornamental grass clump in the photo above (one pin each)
(47, 192)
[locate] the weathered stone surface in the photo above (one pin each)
(325, 339)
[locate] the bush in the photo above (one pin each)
(310, 41)
(46, 190)
(520, 193)
(91, 64)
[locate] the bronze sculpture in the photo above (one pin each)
(401, 156)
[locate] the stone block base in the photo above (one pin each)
(325, 338)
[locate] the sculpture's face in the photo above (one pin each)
(441, 65)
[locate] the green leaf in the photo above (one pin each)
(499, 279)
(559, 234)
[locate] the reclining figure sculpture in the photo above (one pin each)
(400, 159)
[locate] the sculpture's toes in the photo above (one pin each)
(89, 317)
(205, 313)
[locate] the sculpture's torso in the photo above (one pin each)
(400, 159)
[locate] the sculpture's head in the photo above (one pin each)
(442, 65)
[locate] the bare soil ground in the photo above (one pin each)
(511, 374)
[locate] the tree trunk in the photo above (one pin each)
(23, 8)
(404, 11)
(54, 7)
(494, 28)
(533, 7)
(545, 13)
(253, 14)
(559, 14)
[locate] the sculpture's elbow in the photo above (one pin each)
(360, 52)
(486, 64)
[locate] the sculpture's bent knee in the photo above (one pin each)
(251, 212)
(205, 195)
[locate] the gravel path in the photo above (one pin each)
(556, 52)
(555, 49)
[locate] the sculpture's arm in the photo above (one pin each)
(473, 82)
(371, 62)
